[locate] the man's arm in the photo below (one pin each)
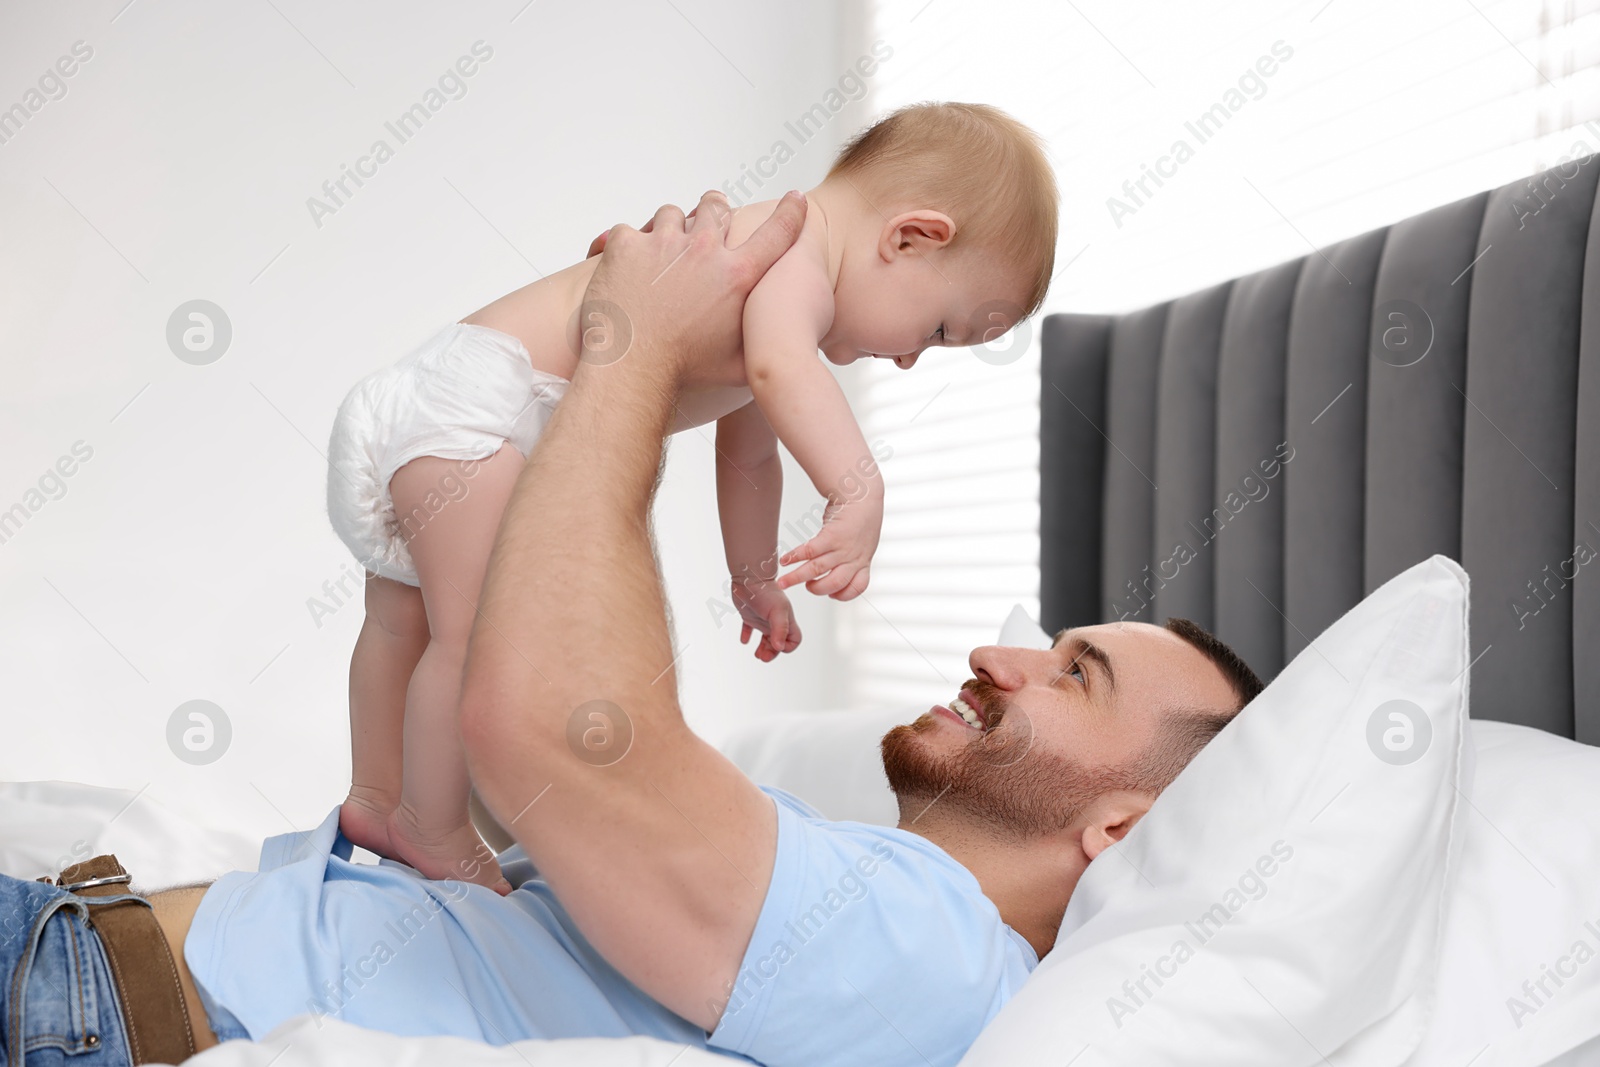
(660, 849)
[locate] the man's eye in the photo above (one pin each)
(1076, 669)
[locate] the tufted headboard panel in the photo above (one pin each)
(1259, 455)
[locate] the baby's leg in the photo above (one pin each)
(391, 642)
(450, 546)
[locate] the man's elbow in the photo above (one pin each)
(494, 720)
(506, 719)
(482, 720)
(486, 742)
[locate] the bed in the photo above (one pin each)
(1332, 435)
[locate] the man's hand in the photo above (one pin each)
(836, 562)
(692, 318)
(765, 609)
(598, 245)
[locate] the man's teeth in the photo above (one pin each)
(967, 712)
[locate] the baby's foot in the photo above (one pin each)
(458, 853)
(364, 819)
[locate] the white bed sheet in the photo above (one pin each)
(301, 1042)
(46, 827)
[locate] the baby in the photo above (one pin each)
(935, 226)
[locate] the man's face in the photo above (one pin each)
(1059, 728)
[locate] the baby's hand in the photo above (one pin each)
(835, 562)
(765, 609)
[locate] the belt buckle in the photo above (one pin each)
(115, 879)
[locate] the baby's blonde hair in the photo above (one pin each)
(973, 162)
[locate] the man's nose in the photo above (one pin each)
(1007, 667)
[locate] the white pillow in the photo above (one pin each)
(1528, 896)
(1020, 631)
(829, 759)
(1282, 901)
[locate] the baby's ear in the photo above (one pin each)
(917, 232)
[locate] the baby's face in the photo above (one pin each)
(896, 309)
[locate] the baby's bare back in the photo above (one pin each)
(542, 315)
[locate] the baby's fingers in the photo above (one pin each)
(834, 581)
(793, 631)
(808, 571)
(818, 546)
(856, 586)
(812, 571)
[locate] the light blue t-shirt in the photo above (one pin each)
(873, 946)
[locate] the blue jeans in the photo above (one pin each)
(60, 1004)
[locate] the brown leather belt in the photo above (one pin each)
(153, 1009)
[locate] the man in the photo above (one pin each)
(673, 897)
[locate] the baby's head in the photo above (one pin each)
(949, 219)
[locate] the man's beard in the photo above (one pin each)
(999, 778)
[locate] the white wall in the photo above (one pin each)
(177, 561)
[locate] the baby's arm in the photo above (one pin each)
(749, 491)
(787, 314)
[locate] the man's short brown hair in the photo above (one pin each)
(973, 162)
(1184, 732)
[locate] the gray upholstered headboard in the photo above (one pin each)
(1260, 455)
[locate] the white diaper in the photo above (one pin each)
(461, 395)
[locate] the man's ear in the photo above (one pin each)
(1110, 819)
(915, 233)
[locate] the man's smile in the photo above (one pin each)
(969, 710)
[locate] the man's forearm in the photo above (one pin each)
(575, 540)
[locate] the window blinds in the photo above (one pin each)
(1372, 111)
